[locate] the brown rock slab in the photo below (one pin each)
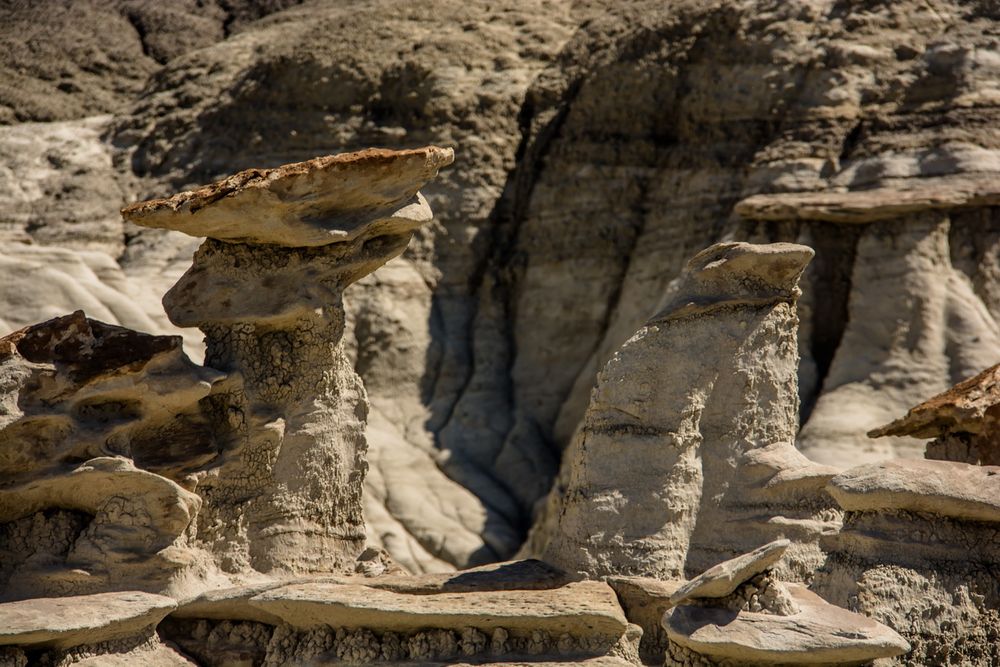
(863, 206)
(722, 579)
(312, 203)
(586, 608)
(945, 488)
(965, 408)
(84, 619)
(820, 633)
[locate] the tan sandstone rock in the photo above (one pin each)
(691, 427)
(101, 430)
(86, 619)
(721, 580)
(266, 290)
(325, 200)
(819, 633)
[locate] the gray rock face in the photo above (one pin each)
(691, 426)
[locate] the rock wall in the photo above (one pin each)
(600, 148)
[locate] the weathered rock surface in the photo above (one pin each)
(325, 200)
(101, 428)
(917, 552)
(266, 290)
(644, 601)
(945, 488)
(65, 622)
(962, 421)
(721, 580)
(819, 633)
(683, 425)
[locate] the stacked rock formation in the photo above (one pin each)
(101, 436)
(691, 428)
(266, 289)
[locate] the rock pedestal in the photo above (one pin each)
(266, 289)
(686, 453)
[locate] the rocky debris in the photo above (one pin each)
(818, 633)
(100, 431)
(644, 601)
(916, 552)
(65, 622)
(962, 422)
(325, 200)
(267, 293)
(692, 426)
(721, 580)
(944, 488)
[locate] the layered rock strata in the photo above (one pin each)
(738, 610)
(266, 289)
(918, 552)
(916, 323)
(691, 428)
(962, 421)
(102, 435)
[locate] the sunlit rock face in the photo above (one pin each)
(266, 289)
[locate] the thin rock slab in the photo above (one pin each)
(723, 579)
(65, 622)
(586, 608)
(819, 634)
(946, 488)
(317, 202)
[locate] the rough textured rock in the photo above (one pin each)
(962, 421)
(721, 580)
(918, 552)
(81, 402)
(287, 494)
(819, 633)
(692, 426)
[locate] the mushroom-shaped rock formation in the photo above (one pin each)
(914, 322)
(266, 289)
(738, 611)
(919, 552)
(101, 430)
(686, 454)
(964, 421)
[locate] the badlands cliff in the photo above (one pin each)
(692, 266)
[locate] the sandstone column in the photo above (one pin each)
(266, 289)
(686, 454)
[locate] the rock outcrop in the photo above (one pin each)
(102, 433)
(962, 422)
(266, 289)
(918, 552)
(692, 427)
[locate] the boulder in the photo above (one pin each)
(721, 580)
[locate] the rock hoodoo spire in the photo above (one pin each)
(266, 289)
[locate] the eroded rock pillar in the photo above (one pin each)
(266, 289)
